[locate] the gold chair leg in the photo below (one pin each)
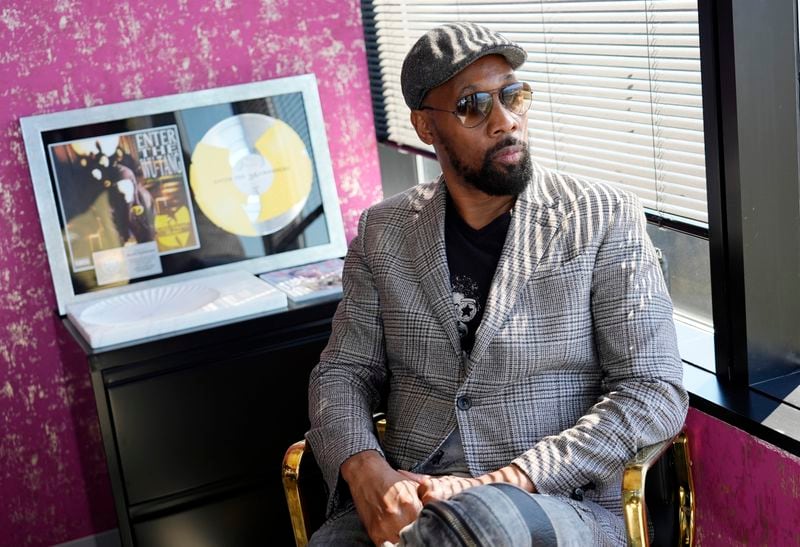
(291, 475)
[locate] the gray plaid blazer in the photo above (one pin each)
(575, 364)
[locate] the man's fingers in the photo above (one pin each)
(409, 496)
(386, 501)
(400, 506)
(435, 488)
(416, 477)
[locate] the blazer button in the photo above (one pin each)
(463, 403)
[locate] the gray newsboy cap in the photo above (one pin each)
(444, 51)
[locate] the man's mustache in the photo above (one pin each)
(508, 141)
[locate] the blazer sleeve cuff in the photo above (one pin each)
(331, 455)
(557, 477)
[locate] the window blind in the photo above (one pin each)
(617, 92)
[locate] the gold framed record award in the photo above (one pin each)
(150, 192)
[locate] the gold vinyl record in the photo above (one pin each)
(251, 174)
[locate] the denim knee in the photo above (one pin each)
(484, 515)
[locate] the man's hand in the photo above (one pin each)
(385, 500)
(447, 486)
(441, 488)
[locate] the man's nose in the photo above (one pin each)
(501, 120)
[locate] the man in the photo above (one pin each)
(513, 321)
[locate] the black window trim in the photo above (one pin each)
(731, 45)
(750, 101)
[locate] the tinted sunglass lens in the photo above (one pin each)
(464, 105)
(473, 109)
(483, 105)
(516, 98)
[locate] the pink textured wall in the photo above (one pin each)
(64, 54)
(748, 491)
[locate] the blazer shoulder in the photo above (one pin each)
(588, 209)
(406, 203)
(578, 194)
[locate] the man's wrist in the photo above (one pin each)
(356, 465)
(525, 481)
(511, 474)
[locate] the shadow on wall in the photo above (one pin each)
(82, 406)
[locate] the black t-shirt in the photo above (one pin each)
(472, 257)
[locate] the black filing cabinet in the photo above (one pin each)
(195, 427)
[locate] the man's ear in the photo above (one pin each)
(422, 124)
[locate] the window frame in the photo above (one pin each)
(751, 295)
(747, 307)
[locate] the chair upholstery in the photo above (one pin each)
(669, 493)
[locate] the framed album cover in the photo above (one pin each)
(149, 192)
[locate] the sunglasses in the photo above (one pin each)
(471, 110)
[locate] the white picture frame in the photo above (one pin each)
(314, 233)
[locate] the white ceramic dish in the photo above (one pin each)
(171, 308)
(149, 304)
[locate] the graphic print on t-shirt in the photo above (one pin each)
(467, 299)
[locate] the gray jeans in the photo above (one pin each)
(491, 515)
(496, 515)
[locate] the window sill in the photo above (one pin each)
(763, 416)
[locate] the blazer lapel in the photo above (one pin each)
(425, 232)
(534, 221)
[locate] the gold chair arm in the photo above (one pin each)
(633, 490)
(291, 483)
(291, 476)
(380, 428)
(683, 471)
(633, 479)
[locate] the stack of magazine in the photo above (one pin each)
(309, 283)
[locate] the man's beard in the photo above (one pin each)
(496, 181)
